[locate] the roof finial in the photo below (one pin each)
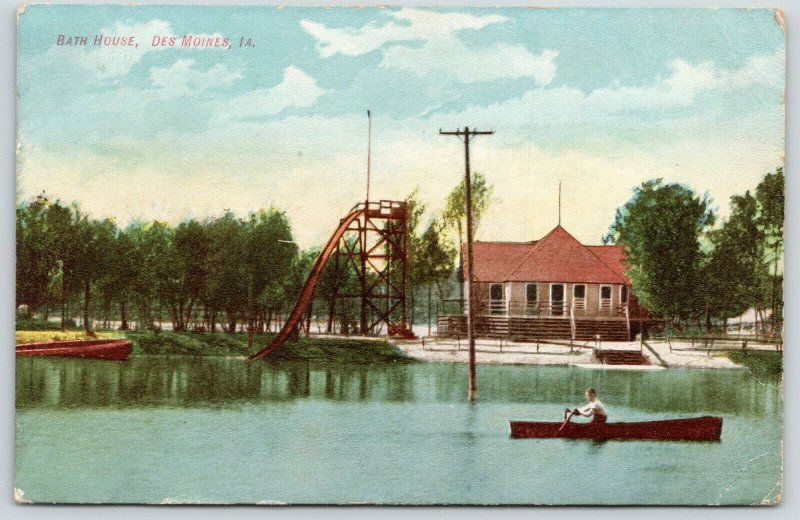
(559, 203)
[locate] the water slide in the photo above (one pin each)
(307, 294)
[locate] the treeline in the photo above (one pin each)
(198, 274)
(686, 270)
(201, 275)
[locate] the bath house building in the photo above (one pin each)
(552, 288)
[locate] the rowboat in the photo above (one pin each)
(116, 349)
(692, 429)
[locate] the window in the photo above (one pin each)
(497, 303)
(605, 297)
(531, 300)
(623, 294)
(579, 297)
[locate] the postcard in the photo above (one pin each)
(399, 255)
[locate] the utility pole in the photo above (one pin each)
(465, 135)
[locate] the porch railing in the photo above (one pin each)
(627, 319)
(538, 309)
(572, 320)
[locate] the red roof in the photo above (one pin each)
(494, 258)
(613, 257)
(558, 257)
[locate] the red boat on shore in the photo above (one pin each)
(692, 429)
(116, 349)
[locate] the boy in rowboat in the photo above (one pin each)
(595, 409)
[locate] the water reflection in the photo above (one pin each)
(202, 382)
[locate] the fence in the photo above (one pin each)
(721, 343)
(501, 345)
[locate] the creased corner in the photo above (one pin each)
(21, 10)
(19, 497)
(778, 13)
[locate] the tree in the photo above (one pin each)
(771, 203)
(123, 270)
(435, 263)
(269, 254)
(95, 240)
(293, 284)
(454, 214)
(34, 259)
(414, 211)
(159, 275)
(339, 277)
(191, 256)
(660, 228)
(228, 278)
(736, 267)
(62, 228)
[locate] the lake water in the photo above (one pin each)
(207, 430)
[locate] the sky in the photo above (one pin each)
(600, 100)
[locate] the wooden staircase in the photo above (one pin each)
(531, 329)
(608, 330)
(621, 357)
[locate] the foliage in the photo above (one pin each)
(454, 214)
(660, 229)
(415, 210)
(339, 277)
(435, 255)
(435, 262)
(771, 202)
(681, 269)
(352, 351)
(760, 362)
(229, 267)
(735, 272)
(187, 344)
(34, 260)
(36, 325)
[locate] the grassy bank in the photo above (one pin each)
(40, 336)
(353, 351)
(759, 361)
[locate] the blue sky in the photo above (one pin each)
(598, 99)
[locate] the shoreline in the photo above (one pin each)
(660, 354)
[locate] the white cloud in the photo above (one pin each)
(441, 49)
(473, 65)
(415, 25)
(181, 77)
(571, 109)
(762, 69)
(296, 89)
(687, 81)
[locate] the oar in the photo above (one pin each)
(571, 413)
